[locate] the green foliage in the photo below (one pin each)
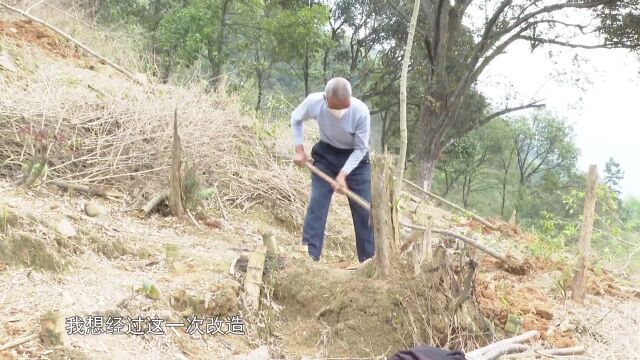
(613, 175)
(193, 188)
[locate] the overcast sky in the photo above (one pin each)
(599, 95)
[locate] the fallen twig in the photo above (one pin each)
(85, 189)
(476, 354)
(507, 259)
(18, 341)
(576, 350)
(194, 220)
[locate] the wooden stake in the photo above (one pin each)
(427, 243)
(579, 279)
(176, 203)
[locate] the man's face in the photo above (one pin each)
(335, 104)
(336, 107)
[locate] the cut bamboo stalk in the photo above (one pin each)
(52, 329)
(157, 200)
(253, 279)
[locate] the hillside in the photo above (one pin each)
(88, 255)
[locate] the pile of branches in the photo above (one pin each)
(108, 132)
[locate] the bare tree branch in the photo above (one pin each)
(574, 46)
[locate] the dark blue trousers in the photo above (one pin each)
(330, 160)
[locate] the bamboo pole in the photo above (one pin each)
(119, 68)
(444, 201)
(579, 279)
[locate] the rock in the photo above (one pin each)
(141, 78)
(261, 353)
(213, 223)
(65, 228)
(230, 283)
(94, 209)
(547, 281)
(179, 268)
(13, 30)
(567, 326)
(6, 63)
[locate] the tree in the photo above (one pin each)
(456, 58)
(200, 27)
(299, 37)
(543, 143)
(613, 175)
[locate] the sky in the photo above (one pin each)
(598, 93)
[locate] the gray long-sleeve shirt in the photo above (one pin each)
(349, 132)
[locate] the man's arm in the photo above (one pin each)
(298, 116)
(303, 112)
(361, 144)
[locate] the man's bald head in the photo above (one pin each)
(338, 93)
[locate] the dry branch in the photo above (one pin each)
(119, 68)
(444, 201)
(503, 350)
(576, 350)
(500, 344)
(85, 189)
(18, 341)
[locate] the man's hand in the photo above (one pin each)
(301, 157)
(341, 181)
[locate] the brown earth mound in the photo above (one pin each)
(33, 33)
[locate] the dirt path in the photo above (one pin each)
(94, 284)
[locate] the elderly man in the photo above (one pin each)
(341, 153)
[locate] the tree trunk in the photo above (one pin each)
(430, 149)
(305, 74)
(216, 60)
(504, 193)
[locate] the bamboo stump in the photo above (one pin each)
(253, 279)
(52, 329)
(176, 198)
